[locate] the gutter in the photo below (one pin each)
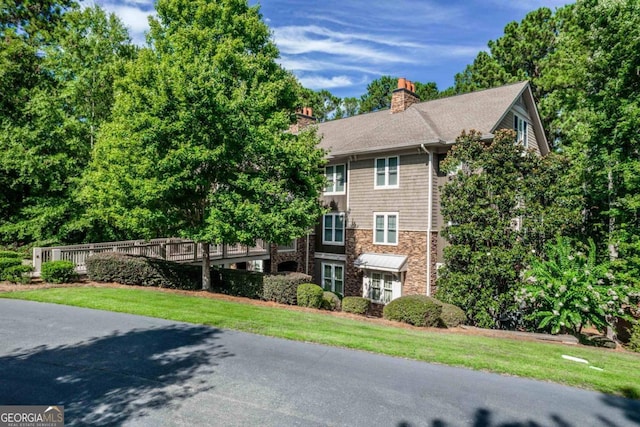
(429, 216)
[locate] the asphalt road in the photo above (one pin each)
(117, 369)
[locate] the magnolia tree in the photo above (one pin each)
(502, 203)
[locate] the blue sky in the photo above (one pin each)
(343, 45)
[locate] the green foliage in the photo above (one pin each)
(6, 263)
(380, 91)
(17, 274)
(355, 305)
(57, 86)
(331, 301)
(239, 283)
(197, 146)
(283, 288)
(451, 315)
(571, 289)
(500, 202)
(417, 310)
(137, 270)
(58, 272)
(309, 295)
(10, 254)
(634, 342)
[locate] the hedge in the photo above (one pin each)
(331, 301)
(142, 271)
(283, 288)
(309, 295)
(58, 272)
(17, 274)
(418, 310)
(451, 315)
(240, 283)
(634, 341)
(355, 305)
(10, 254)
(6, 263)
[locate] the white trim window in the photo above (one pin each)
(335, 175)
(290, 247)
(520, 126)
(387, 172)
(381, 287)
(385, 228)
(333, 277)
(333, 229)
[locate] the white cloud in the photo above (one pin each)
(319, 82)
(309, 64)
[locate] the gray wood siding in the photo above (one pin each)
(410, 200)
(507, 123)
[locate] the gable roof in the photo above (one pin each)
(438, 121)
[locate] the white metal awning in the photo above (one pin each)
(382, 262)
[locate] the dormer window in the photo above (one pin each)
(335, 179)
(520, 126)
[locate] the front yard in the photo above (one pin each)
(616, 372)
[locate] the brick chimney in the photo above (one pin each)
(304, 118)
(404, 96)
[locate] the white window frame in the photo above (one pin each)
(331, 285)
(332, 179)
(291, 247)
(386, 216)
(521, 126)
(389, 286)
(386, 184)
(333, 241)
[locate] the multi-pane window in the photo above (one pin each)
(385, 228)
(333, 277)
(335, 179)
(381, 289)
(520, 126)
(386, 172)
(333, 229)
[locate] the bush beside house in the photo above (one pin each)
(417, 310)
(309, 295)
(331, 301)
(451, 315)
(283, 288)
(355, 305)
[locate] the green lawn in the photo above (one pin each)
(543, 361)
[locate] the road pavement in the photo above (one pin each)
(119, 369)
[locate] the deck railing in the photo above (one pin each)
(178, 250)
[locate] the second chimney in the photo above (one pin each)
(304, 118)
(404, 96)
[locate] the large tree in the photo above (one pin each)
(379, 92)
(198, 146)
(57, 65)
(502, 204)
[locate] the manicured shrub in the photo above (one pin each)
(58, 272)
(240, 283)
(634, 342)
(355, 305)
(6, 263)
(18, 274)
(142, 271)
(418, 310)
(309, 295)
(283, 288)
(451, 315)
(331, 301)
(10, 254)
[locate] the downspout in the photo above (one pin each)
(306, 263)
(429, 217)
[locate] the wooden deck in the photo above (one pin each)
(177, 250)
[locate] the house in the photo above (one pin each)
(382, 237)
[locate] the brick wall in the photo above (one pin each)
(299, 255)
(413, 244)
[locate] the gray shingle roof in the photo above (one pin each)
(429, 122)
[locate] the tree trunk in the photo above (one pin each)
(206, 267)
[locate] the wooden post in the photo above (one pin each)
(37, 260)
(55, 255)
